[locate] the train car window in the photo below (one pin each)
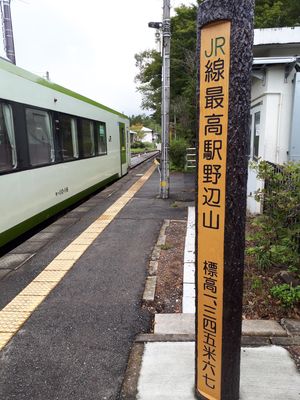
(101, 137)
(88, 139)
(68, 137)
(8, 153)
(40, 137)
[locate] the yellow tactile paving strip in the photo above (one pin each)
(15, 314)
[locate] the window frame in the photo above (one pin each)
(81, 137)
(97, 126)
(59, 138)
(52, 151)
(13, 146)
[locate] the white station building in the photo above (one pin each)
(275, 102)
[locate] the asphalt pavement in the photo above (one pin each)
(76, 344)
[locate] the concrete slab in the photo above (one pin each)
(12, 261)
(82, 209)
(54, 228)
(188, 305)
(28, 247)
(153, 265)
(189, 256)
(292, 326)
(262, 328)
(155, 254)
(42, 237)
(188, 300)
(174, 324)
(189, 273)
(4, 272)
(91, 203)
(65, 221)
(167, 373)
(190, 241)
(150, 286)
(189, 290)
(191, 216)
(268, 373)
(185, 324)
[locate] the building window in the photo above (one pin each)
(68, 137)
(88, 139)
(256, 135)
(40, 137)
(8, 153)
(101, 134)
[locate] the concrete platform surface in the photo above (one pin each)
(167, 373)
(185, 324)
(292, 326)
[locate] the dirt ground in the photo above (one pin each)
(257, 301)
(168, 295)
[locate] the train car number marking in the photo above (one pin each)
(62, 191)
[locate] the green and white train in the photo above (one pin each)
(56, 147)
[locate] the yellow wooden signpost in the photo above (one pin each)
(225, 60)
(214, 75)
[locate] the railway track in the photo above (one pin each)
(142, 157)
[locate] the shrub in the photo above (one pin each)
(177, 152)
(149, 145)
(289, 296)
(138, 145)
(277, 231)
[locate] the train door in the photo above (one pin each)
(123, 150)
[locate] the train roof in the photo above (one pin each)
(13, 69)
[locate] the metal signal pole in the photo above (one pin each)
(165, 106)
(8, 30)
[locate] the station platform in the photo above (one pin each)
(72, 325)
(70, 296)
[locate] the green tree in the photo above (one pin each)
(184, 71)
(148, 79)
(268, 13)
(145, 120)
(138, 129)
(183, 74)
(277, 13)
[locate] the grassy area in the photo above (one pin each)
(137, 151)
(142, 150)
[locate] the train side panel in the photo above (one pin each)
(30, 195)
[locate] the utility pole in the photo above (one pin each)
(165, 106)
(165, 28)
(8, 37)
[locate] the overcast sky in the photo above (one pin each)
(87, 46)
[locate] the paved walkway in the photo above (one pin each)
(88, 281)
(71, 338)
(167, 373)
(167, 358)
